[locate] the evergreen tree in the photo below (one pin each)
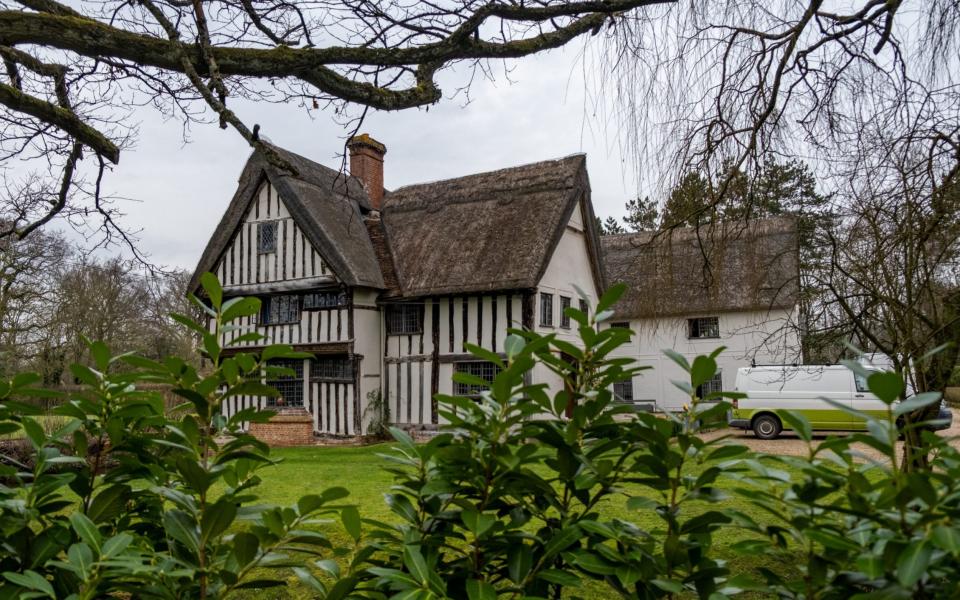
(642, 214)
(611, 227)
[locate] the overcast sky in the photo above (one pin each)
(178, 191)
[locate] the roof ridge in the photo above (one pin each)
(489, 172)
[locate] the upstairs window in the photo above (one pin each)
(331, 368)
(290, 386)
(715, 384)
(404, 319)
(482, 369)
(276, 310)
(623, 391)
(564, 305)
(703, 328)
(546, 309)
(318, 300)
(267, 237)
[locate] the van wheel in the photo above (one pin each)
(767, 427)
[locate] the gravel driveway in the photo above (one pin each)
(788, 444)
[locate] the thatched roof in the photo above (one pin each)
(483, 232)
(326, 205)
(730, 267)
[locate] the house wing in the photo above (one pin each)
(483, 232)
(324, 203)
(734, 266)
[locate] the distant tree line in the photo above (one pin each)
(52, 297)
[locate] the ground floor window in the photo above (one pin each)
(714, 384)
(482, 369)
(623, 391)
(289, 386)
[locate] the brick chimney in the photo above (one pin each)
(366, 164)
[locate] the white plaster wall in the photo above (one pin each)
(568, 267)
(368, 335)
(241, 266)
(769, 337)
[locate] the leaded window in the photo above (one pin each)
(267, 237)
(714, 384)
(482, 369)
(546, 309)
(289, 386)
(564, 305)
(317, 300)
(703, 327)
(275, 310)
(623, 391)
(331, 368)
(404, 319)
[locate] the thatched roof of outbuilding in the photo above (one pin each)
(727, 267)
(488, 231)
(325, 203)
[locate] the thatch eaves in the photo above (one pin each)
(488, 231)
(727, 267)
(325, 203)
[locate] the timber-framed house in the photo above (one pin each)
(385, 288)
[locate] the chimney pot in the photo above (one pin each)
(366, 164)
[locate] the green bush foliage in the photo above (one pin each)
(126, 500)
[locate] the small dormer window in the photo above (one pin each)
(267, 237)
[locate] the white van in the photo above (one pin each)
(771, 389)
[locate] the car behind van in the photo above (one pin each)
(802, 389)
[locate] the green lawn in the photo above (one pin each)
(310, 470)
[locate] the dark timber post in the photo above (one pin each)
(435, 357)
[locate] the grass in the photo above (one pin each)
(312, 469)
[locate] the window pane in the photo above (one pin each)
(715, 384)
(584, 307)
(267, 237)
(861, 382)
(546, 309)
(333, 299)
(331, 368)
(623, 390)
(280, 309)
(290, 387)
(404, 319)
(484, 370)
(704, 327)
(564, 319)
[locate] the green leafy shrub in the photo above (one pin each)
(862, 526)
(173, 516)
(506, 502)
